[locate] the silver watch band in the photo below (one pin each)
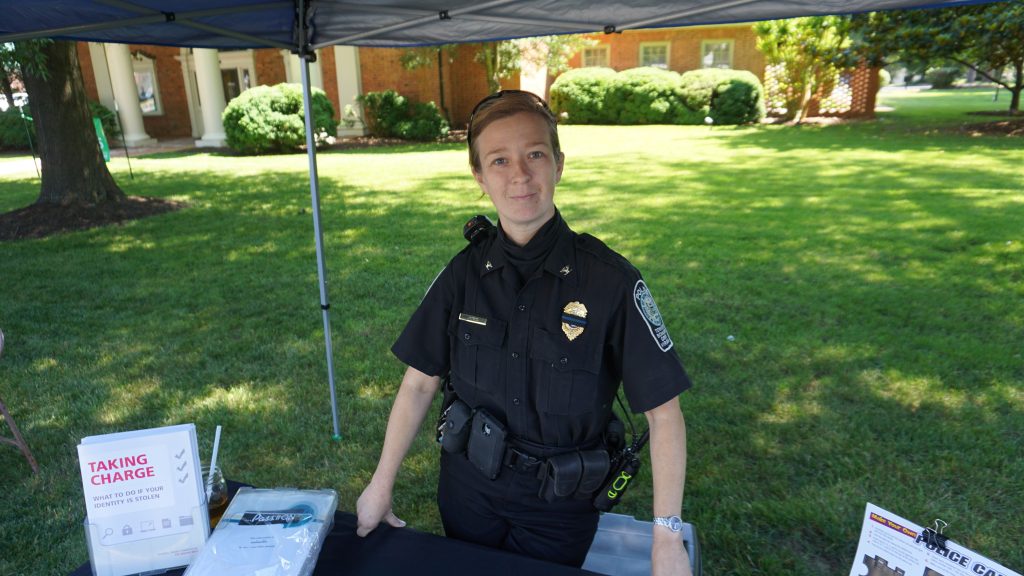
(673, 523)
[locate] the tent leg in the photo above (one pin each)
(321, 268)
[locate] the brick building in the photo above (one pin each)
(172, 84)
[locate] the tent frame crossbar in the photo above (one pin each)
(432, 17)
(150, 16)
(432, 14)
(681, 14)
(186, 19)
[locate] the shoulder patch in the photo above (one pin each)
(651, 315)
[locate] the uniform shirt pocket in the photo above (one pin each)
(476, 351)
(566, 373)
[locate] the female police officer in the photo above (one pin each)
(537, 326)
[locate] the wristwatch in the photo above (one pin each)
(673, 523)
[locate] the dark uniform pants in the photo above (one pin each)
(507, 513)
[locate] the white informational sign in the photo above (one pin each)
(893, 546)
(144, 499)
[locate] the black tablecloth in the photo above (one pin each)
(397, 551)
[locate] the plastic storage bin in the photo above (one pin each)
(622, 547)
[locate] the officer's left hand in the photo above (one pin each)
(669, 556)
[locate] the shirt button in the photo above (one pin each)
(515, 354)
(466, 336)
(564, 360)
(522, 308)
(515, 401)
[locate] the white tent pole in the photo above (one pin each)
(321, 268)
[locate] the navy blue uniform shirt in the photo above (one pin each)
(546, 353)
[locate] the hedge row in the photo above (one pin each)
(656, 96)
(14, 136)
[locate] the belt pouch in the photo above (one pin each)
(562, 475)
(595, 468)
(456, 427)
(486, 444)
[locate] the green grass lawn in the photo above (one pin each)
(848, 299)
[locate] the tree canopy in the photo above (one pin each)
(986, 38)
(811, 52)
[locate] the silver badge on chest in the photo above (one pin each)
(574, 320)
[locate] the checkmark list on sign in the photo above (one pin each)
(182, 467)
(183, 478)
(180, 455)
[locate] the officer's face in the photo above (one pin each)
(519, 171)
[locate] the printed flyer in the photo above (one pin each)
(144, 499)
(893, 546)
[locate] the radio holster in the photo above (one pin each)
(575, 474)
(454, 427)
(486, 445)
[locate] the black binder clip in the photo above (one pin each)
(934, 537)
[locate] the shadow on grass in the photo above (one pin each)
(870, 310)
(404, 148)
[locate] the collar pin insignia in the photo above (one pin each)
(488, 265)
(565, 270)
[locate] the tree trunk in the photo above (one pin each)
(490, 58)
(73, 171)
(1017, 87)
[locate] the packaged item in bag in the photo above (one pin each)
(275, 532)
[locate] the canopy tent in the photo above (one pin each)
(385, 23)
(303, 26)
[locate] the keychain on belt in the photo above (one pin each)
(624, 469)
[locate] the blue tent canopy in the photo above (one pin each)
(234, 24)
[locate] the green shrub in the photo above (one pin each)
(13, 135)
(726, 96)
(270, 119)
(884, 78)
(646, 96)
(383, 111)
(108, 120)
(942, 77)
(388, 114)
(655, 96)
(578, 95)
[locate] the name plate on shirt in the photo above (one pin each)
(472, 319)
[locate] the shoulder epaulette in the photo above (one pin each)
(602, 252)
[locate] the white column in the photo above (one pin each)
(195, 117)
(350, 85)
(104, 90)
(133, 131)
(293, 70)
(533, 75)
(211, 96)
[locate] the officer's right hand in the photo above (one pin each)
(374, 506)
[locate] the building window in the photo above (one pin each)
(236, 72)
(596, 56)
(146, 85)
(716, 53)
(654, 54)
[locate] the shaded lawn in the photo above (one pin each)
(870, 275)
